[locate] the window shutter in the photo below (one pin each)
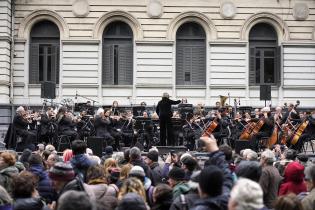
(55, 63)
(34, 64)
(125, 64)
(251, 67)
(198, 65)
(180, 64)
(278, 65)
(108, 67)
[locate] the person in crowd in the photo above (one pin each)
(124, 172)
(5, 199)
(80, 162)
(249, 169)
(51, 160)
(19, 165)
(67, 155)
(74, 200)
(63, 178)
(162, 197)
(293, 179)
(44, 186)
(308, 201)
(152, 161)
(246, 195)
(289, 156)
(164, 112)
(136, 160)
(25, 194)
(108, 165)
(215, 180)
(270, 178)
(7, 170)
(126, 157)
(132, 201)
(186, 201)
(25, 156)
(132, 185)
(114, 183)
(189, 164)
(288, 202)
(176, 180)
(108, 153)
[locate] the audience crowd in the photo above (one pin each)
(277, 179)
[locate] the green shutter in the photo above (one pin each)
(34, 64)
(251, 67)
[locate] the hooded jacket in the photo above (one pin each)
(44, 188)
(293, 179)
(81, 164)
(6, 176)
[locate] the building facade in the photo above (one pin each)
(133, 51)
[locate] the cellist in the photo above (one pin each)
(308, 133)
(267, 122)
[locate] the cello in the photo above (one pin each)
(248, 130)
(210, 128)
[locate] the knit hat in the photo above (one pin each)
(62, 172)
(153, 155)
(109, 150)
(177, 174)
(137, 171)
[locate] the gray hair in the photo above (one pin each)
(247, 194)
(20, 109)
(268, 156)
(166, 95)
(134, 153)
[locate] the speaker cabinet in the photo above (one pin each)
(240, 145)
(96, 145)
(48, 90)
(265, 92)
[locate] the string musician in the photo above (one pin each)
(263, 128)
(47, 128)
(304, 132)
(66, 126)
(21, 123)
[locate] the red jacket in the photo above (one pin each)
(293, 179)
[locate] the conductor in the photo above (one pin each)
(164, 111)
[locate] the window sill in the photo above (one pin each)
(39, 85)
(117, 86)
(191, 87)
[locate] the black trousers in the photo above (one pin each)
(166, 131)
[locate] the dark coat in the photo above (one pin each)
(156, 173)
(65, 124)
(81, 164)
(20, 125)
(29, 204)
(45, 188)
(102, 126)
(6, 177)
(164, 106)
(190, 199)
(219, 202)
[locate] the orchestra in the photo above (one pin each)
(118, 126)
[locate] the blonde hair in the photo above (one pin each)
(124, 173)
(108, 164)
(132, 185)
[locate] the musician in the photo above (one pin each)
(65, 124)
(84, 125)
(126, 127)
(308, 134)
(20, 123)
(114, 108)
(164, 112)
(47, 125)
(89, 108)
(147, 134)
(266, 129)
(291, 115)
(223, 121)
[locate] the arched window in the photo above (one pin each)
(44, 53)
(190, 55)
(264, 55)
(117, 54)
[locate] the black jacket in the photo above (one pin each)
(29, 204)
(156, 173)
(164, 106)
